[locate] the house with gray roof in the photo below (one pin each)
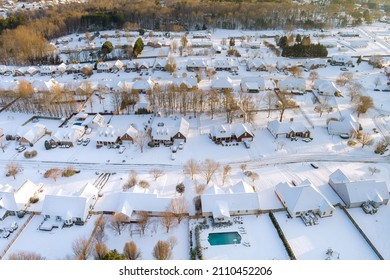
(288, 129)
(357, 193)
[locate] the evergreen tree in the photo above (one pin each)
(138, 47)
(107, 48)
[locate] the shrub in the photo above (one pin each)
(70, 171)
(34, 199)
(351, 143)
(282, 237)
(28, 154)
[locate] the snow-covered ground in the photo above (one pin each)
(275, 160)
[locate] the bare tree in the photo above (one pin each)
(172, 240)
(296, 71)
(344, 78)
(162, 250)
(116, 100)
(243, 167)
(132, 181)
(100, 226)
(141, 140)
(117, 222)
(226, 172)
(354, 90)
(270, 100)
(284, 103)
(377, 82)
(363, 104)
(143, 220)
(131, 251)
(365, 139)
(24, 255)
(53, 173)
(13, 169)
(156, 173)
(323, 106)
(168, 220)
(191, 168)
(313, 75)
(208, 169)
(100, 251)
(373, 170)
(199, 189)
(81, 249)
(254, 176)
(179, 207)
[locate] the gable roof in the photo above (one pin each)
(304, 197)
(276, 127)
(16, 199)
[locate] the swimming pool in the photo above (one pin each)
(224, 238)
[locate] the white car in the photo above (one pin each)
(181, 145)
(173, 156)
(20, 148)
(6, 233)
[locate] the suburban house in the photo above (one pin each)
(104, 67)
(356, 44)
(94, 121)
(347, 126)
(315, 63)
(70, 208)
(186, 83)
(252, 84)
(68, 135)
(302, 199)
(117, 66)
(32, 135)
(159, 64)
(325, 87)
(196, 64)
(143, 85)
(288, 129)
(221, 83)
(73, 68)
(285, 63)
(222, 203)
(231, 132)
(359, 193)
(341, 60)
(13, 200)
(108, 137)
(225, 64)
(168, 130)
(129, 135)
(293, 85)
(256, 64)
(132, 202)
(131, 66)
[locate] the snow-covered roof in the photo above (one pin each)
(196, 63)
(325, 87)
(221, 209)
(35, 133)
(292, 83)
(17, 199)
(108, 133)
(253, 83)
(71, 134)
(189, 82)
(276, 127)
(143, 84)
(221, 83)
(240, 197)
(227, 130)
(348, 125)
(304, 197)
(164, 128)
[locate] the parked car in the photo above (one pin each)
(6, 233)
(307, 140)
(14, 226)
(80, 141)
(20, 148)
(181, 145)
(174, 149)
(173, 156)
(86, 141)
(314, 165)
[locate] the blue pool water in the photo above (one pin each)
(224, 238)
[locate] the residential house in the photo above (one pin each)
(196, 64)
(293, 85)
(117, 66)
(47, 70)
(104, 67)
(188, 82)
(358, 193)
(256, 64)
(32, 135)
(227, 64)
(231, 132)
(160, 64)
(326, 88)
(131, 66)
(252, 84)
(341, 60)
(315, 63)
(168, 130)
(222, 203)
(222, 83)
(70, 208)
(13, 200)
(73, 68)
(94, 121)
(108, 136)
(285, 63)
(357, 44)
(143, 85)
(129, 135)
(302, 199)
(5, 70)
(31, 71)
(347, 126)
(68, 135)
(288, 129)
